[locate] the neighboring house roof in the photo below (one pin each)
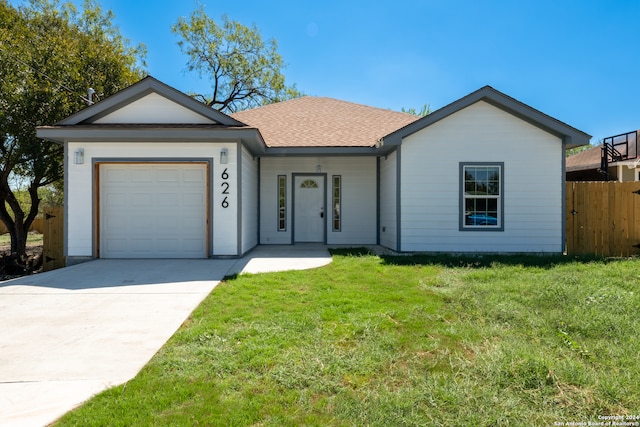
(322, 122)
(587, 159)
(591, 158)
(570, 135)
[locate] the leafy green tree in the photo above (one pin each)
(576, 150)
(245, 71)
(425, 110)
(50, 54)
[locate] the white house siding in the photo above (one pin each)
(358, 177)
(225, 219)
(249, 201)
(388, 205)
(81, 197)
(481, 133)
(153, 108)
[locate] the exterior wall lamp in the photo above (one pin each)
(224, 158)
(78, 156)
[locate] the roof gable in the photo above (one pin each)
(571, 136)
(149, 101)
(153, 108)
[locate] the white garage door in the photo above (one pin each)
(153, 210)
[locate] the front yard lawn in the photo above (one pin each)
(393, 341)
(33, 239)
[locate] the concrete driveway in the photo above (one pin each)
(68, 334)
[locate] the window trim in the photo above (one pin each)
(281, 214)
(501, 213)
(333, 203)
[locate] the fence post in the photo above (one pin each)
(570, 214)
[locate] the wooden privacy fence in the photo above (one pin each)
(603, 218)
(53, 237)
(36, 225)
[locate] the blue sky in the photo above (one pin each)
(576, 60)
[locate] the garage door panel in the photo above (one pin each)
(168, 175)
(141, 199)
(116, 175)
(191, 228)
(167, 245)
(193, 176)
(116, 245)
(141, 244)
(191, 222)
(153, 211)
(167, 199)
(192, 246)
(165, 223)
(116, 217)
(140, 227)
(139, 175)
(116, 199)
(194, 200)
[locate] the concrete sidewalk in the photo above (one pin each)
(71, 333)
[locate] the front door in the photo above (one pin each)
(309, 210)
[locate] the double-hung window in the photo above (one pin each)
(482, 196)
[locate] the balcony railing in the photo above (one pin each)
(618, 148)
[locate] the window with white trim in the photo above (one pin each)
(482, 198)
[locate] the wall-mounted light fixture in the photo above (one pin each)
(78, 156)
(224, 158)
(318, 168)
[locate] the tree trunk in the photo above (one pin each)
(16, 229)
(15, 262)
(17, 225)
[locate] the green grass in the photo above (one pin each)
(34, 238)
(397, 341)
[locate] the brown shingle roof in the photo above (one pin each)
(587, 159)
(322, 122)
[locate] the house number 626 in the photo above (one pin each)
(225, 188)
